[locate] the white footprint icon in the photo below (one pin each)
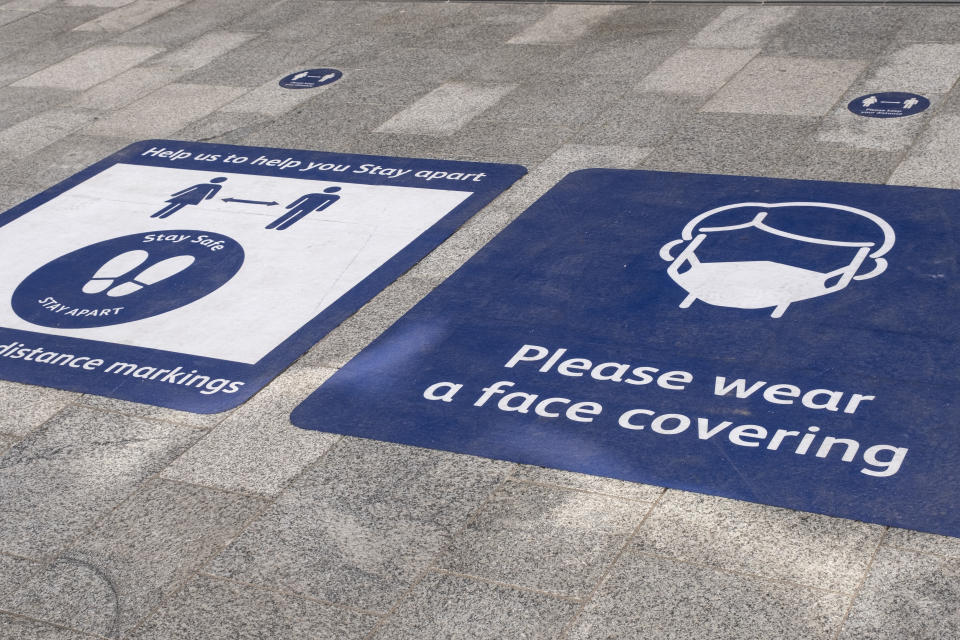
(113, 269)
(152, 275)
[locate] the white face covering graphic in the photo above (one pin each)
(759, 284)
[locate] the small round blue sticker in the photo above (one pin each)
(310, 78)
(890, 104)
(127, 278)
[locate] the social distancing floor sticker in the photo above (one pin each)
(187, 275)
(787, 342)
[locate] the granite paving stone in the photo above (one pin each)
(165, 110)
(782, 544)
(309, 126)
(59, 479)
(45, 52)
(545, 538)
(124, 88)
(907, 595)
(725, 143)
(583, 482)
(446, 109)
(623, 61)
(130, 15)
(14, 573)
(922, 542)
(116, 574)
(188, 21)
(881, 134)
(640, 21)
(743, 27)
(786, 86)
(35, 133)
(838, 31)
(213, 609)
(647, 598)
(564, 24)
(919, 68)
(257, 61)
(271, 99)
(151, 412)
(226, 128)
(62, 159)
(88, 68)
(640, 119)
(24, 629)
(515, 143)
(460, 608)
(930, 24)
(7, 441)
(359, 527)
(256, 449)
(20, 103)
(23, 34)
(203, 50)
(697, 71)
(6, 16)
(23, 407)
(814, 160)
(559, 101)
(933, 161)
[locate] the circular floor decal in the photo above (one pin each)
(891, 104)
(127, 278)
(310, 78)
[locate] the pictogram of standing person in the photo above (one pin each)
(305, 204)
(191, 195)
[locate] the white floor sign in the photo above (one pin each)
(173, 257)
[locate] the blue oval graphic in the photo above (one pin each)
(127, 278)
(889, 104)
(310, 78)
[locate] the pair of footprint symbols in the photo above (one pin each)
(119, 266)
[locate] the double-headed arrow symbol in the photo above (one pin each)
(268, 204)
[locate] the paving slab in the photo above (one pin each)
(58, 480)
(129, 15)
(656, 598)
(110, 579)
(14, 573)
(89, 68)
(35, 133)
(697, 71)
(922, 542)
(62, 159)
(786, 86)
(907, 595)
(7, 441)
(256, 449)
(838, 31)
(932, 161)
(545, 538)
(803, 548)
(214, 609)
(23, 407)
(743, 27)
(563, 24)
(26, 629)
(359, 527)
(446, 109)
(164, 111)
(460, 608)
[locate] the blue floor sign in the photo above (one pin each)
(786, 342)
(187, 275)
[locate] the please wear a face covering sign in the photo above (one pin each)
(780, 341)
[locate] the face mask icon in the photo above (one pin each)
(749, 255)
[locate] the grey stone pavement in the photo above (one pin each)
(120, 520)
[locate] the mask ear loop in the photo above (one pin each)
(880, 267)
(665, 249)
